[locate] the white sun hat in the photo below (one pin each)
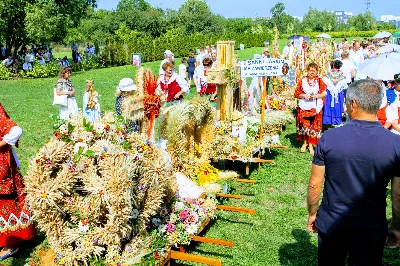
(168, 53)
(127, 84)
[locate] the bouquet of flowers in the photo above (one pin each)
(187, 218)
(206, 174)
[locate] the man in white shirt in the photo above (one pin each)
(286, 50)
(356, 54)
(200, 57)
(8, 61)
(183, 68)
(168, 57)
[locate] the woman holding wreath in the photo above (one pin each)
(310, 91)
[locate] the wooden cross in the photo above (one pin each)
(225, 75)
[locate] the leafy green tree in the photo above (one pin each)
(282, 20)
(363, 21)
(319, 21)
(140, 16)
(238, 25)
(195, 16)
(23, 21)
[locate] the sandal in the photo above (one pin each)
(9, 254)
(303, 148)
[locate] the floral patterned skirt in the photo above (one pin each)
(308, 128)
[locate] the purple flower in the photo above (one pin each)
(170, 227)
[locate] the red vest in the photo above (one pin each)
(381, 115)
(171, 90)
(208, 89)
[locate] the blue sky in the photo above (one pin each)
(248, 8)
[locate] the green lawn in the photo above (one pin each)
(276, 235)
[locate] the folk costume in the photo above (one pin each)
(91, 104)
(72, 107)
(388, 111)
(16, 224)
(206, 89)
(309, 113)
(172, 86)
(334, 101)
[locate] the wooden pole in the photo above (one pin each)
(194, 258)
(236, 209)
(264, 96)
(229, 196)
(245, 181)
(213, 241)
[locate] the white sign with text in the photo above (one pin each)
(264, 67)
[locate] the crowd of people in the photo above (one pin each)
(26, 58)
(175, 81)
(322, 99)
(354, 162)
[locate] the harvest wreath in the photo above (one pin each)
(99, 194)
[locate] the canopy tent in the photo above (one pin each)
(381, 68)
(324, 36)
(396, 35)
(389, 48)
(296, 37)
(383, 34)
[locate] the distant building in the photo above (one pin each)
(343, 16)
(394, 20)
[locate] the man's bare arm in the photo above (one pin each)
(314, 188)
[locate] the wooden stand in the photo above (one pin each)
(193, 258)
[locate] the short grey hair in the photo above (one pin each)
(368, 95)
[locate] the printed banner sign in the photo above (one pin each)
(264, 67)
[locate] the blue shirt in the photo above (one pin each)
(360, 159)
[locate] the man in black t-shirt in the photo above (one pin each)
(357, 161)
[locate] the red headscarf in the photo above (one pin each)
(6, 124)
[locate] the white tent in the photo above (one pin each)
(324, 36)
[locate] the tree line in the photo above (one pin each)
(67, 21)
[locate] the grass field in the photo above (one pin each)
(276, 235)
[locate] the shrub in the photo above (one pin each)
(5, 74)
(40, 71)
(86, 64)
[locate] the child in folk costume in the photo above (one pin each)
(172, 84)
(334, 103)
(206, 88)
(310, 91)
(91, 104)
(16, 224)
(64, 87)
(125, 88)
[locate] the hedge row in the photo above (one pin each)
(342, 34)
(118, 51)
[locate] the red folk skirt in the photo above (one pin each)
(16, 224)
(308, 128)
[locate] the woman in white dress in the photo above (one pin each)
(64, 87)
